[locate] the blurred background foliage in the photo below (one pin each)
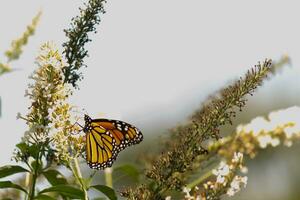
(17, 45)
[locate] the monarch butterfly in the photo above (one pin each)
(105, 138)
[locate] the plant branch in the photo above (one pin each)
(33, 178)
(108, 177)
(77, 37)
(169, 171)
(78, 176)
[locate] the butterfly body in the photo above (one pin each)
(105, 138)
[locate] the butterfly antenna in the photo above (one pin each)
(83, 111)
(76, 123)
(79, 111)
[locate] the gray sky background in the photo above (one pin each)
(150, 60)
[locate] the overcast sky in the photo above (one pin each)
(150, 60)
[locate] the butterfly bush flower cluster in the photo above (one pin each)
(226, 178)
(44, 93)
(49, 119)
(281, 126)
(236, 183)
(48, 139)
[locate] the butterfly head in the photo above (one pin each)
(87, 118)
(87, 121)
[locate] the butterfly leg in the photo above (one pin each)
(76, 123)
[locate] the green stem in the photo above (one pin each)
(77, 173)
(199, 180)
(108, 177)
(32, 180)
(32, 186)
(210, 165)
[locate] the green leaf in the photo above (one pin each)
(22, 146)
(65, 190)
(8, 170)
(33, 150)
(9, 184)
(37, 166)
(109, 192)
(44, 197)
(54, 177)
(29, 150)
(129, 170)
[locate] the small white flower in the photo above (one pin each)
(222, 171)
(235, 185)
(220, 179)
(257, 125)
(230, 192)
(168, 198)
(198, 197)
(244, 180)
(237, 157)
(187, 192)
(264, 140)
(292, 131)
(275, 142)
(244, 170)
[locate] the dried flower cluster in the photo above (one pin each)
(77, 37)
(170, 170)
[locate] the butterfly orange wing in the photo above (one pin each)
(106, 138)
(100, 149)
(124, 134)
